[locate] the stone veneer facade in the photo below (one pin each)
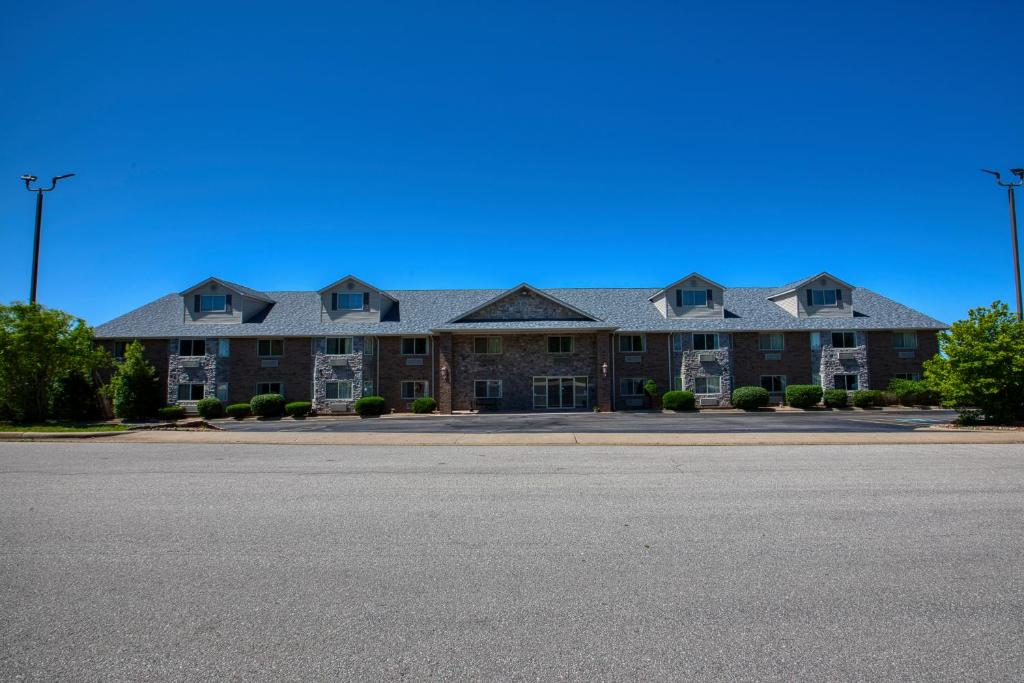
(687, 366)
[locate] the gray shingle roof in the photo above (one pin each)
(297, 314)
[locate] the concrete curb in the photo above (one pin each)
(54, 436)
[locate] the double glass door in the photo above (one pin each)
(559, 392)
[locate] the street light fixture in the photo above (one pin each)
(1019, 172)
(29, 179)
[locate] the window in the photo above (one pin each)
(823, 297)
(677, 342)
(695, 297)
(339, 346)
(413, 389)
(705, 342)
(707, 385)
(677, 384)
(559, 344)
(773, 341)
(340, 390)
(904, 340)
(486, 344)
(119, 349)
(222, 393)
(369, 346)
(192, 347)
(773, 384)
(844, 340)
(368, 387)
(348, 301)
(270, 347)
(487, 388)
(214, 303)
(224, 348)
(848, 382)
(269, 388)
(912, 376)
(815, 341)
(414, 346)
(191, 391)
(632, 343)
(631, 386)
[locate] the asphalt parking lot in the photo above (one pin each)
(617, 422)
(228, 562)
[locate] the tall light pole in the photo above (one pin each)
(1019, 172)
(29, 179)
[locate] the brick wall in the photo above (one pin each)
(155, 351)
(395, 368)
(884, 360)
(653, 364)
(294, 370)
(749, 361)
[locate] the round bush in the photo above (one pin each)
(298, 409)
(424, 404)
(171, 413)
(678, 400)
(239, 411)
(803, 395)
(210, 408)
(868, 398)
(750, 398)
(267, 405)
(836, 398)
(370, 405)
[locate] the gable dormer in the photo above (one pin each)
(820, 296)
(523, 302)
(693, 296)
(352, 300)
(218, 301)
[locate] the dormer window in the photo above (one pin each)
(824, 297)
(212, 303)
(693, 297)
(348, 301)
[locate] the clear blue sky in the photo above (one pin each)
(423, 145)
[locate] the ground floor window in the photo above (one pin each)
(222, 393)
(414, 389)
(847, 382)
(707, 385)
(631, 386)
(774, 384)
(487, 388)
(368, 387)
(119, 348)
(677, 384)
(912, 376)
(191, 391)
(560, 392)
(269, 388)
(339, 390)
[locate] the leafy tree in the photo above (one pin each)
(981, 364)
(135, 387)
(40, 348)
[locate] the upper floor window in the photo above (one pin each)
(559, 344)
(414, 346)
(693, 297)
(631, 343)
(844, 340)
(214, 303)
(270, 347)
(339, 346)
(824, 297)
(904, 340)
(119, 348)
(191, 347)
(772, 341)
(348, 301)
(677, 341)
(705, 341)
(369, 346)
(486, 344)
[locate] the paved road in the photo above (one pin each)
(619, 422)
(147, 562)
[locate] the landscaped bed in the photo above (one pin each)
(64, 427)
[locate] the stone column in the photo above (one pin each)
(603, 381)
(445, 373)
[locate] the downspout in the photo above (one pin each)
(611, 347)
(433, 367)
(668, 344)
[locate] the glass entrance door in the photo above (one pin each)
(563, 393)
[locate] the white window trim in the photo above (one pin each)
(269, 355)
(256, 388)
(572, 344)
(426, 388)
(488, 382)
(760, 341)
(339, 382)
(643, 343)
(706, 378)
(426, 346)
(834, 304)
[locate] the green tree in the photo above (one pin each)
(981, 364)
(39, 347)
(135, 387)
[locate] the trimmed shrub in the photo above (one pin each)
(298, 409)
(868, 398)
(678, 400)
(267, 405)
(750, 398)
(210, 408)
(913, 392)
(370, 405)
(803, 395)
(171, 413)
(836, 398)
(239, 411)
(424, 404)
